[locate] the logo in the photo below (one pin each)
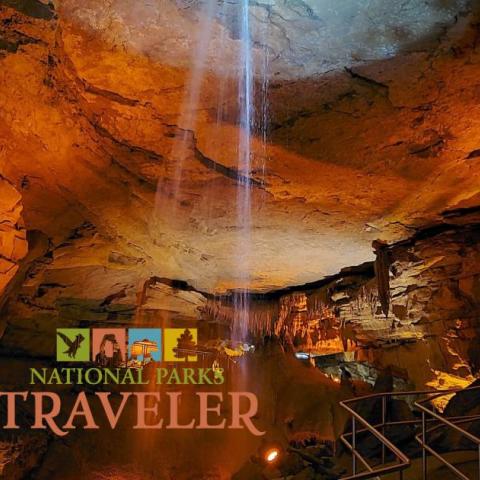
(109, 346)
(144, 346)
(181, 345)
(73, 344)
(135, 347)
(117, 357)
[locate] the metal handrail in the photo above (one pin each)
(403, 462)
(444, 422)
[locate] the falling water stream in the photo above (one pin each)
(244, 201)
(211, 15)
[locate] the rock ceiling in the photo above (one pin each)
(107, 125)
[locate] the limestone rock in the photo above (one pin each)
(131, 160)
(13, 239)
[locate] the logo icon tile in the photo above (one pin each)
(73, 344)
(109, 346)
(180, 344)
(144, 345)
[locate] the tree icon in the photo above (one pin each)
(185, 345)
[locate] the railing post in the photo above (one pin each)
(424, 450)
(354, 446)
(384, 419)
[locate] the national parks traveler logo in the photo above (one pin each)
(130, 360)
(180, 345)
(73, 344)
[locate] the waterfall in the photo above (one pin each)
(244, 205)
(232, 20)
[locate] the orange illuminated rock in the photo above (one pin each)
(112, 128)
(123, 152)
(13, 243)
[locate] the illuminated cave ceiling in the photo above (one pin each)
(374, 129)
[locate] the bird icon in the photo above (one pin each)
(73, 345)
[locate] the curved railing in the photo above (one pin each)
(442, 422)
(401, 461)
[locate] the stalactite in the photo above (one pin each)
(262, 315)
(382, 274)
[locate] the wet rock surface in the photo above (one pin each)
(302, 38)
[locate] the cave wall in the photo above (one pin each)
(434, 308)
(429, 333)
(13, 241)
(82, 141)
(433, 301)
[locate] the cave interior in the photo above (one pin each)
(297, 180)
